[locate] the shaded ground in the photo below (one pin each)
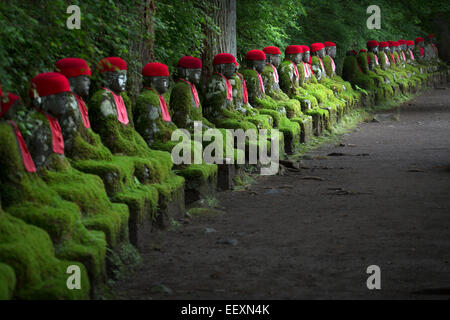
(299, 238)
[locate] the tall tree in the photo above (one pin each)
(222, 38)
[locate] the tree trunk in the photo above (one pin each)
(224, 16)
(142, 46)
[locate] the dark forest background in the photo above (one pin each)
(33, 33)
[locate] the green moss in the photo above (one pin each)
(27, 197)
(182, 106)
(197, 174)
(148, 119)
(7, 281)
(39, 274)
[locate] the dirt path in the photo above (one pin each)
(385, 202)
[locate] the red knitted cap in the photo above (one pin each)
(255, 55)
(431, 36)
(5, 106)
(189, 62)
(73, 67)
(362, 50)
(272, 50)
(329, 44)
(155, 69)
(419, 39)
(401, 41)
(391, 44)
(49, 83)
(222, 58)
(383, 44)
(305, 48)
(112, 64)
(372, 43)
(317, 46)
(293, 49)
(409, 42)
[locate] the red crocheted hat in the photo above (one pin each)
(419, 39)
(49, 83)
(431, 36)
(222, 58)
(73, 67)
(362, 50)
(272, 50)
(5, 106)
(189, 62)
(372, 43)
(305, 48)
(383, 44)
(293, 49)
(401, 41)
(155, 69)
(255, 55)
(317, 46)
(112, 64)
(409, 42)
(329, 44)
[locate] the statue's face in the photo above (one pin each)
(54, 104)
(115, 80)
(227, 69)
(386, 49)
(274, 59)
(296, 58)
(411, 47)
(306, 56)
(191, 75)
(374, 49)
(160, 84)
(80, 85)
(422, 44)
(331, 51)
(321, 53)
(258, 65)
(194, 75)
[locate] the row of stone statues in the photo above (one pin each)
(90, 172)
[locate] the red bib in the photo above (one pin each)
(422, 52)
(275, 73)
(261, 84)
(57, 138)
(26, 156)
(321, 65)
(229, 90)
(295, 69)
(163, 106)
(306, 70)
(393, 58)
(411, 55)
(122, 114)
(333, 65)
(194, 92)
(83, 111)
(244, 87)
(376, 59)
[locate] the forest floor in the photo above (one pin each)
(380, 196)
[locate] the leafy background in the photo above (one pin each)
(33, 34)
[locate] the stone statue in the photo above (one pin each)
(151, 113)
(184, 99)
(219, 107)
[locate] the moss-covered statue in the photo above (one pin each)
(110, 113)
(262, 119)
(256, 62)
(383, 90)
(26, 196)
(272, 88)
(185, 103)
(331, 86)
(419, 49)
(293, 74)
(154, 123)
(151, 113)
(218, 106)
(342, 87)
(126, 178)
